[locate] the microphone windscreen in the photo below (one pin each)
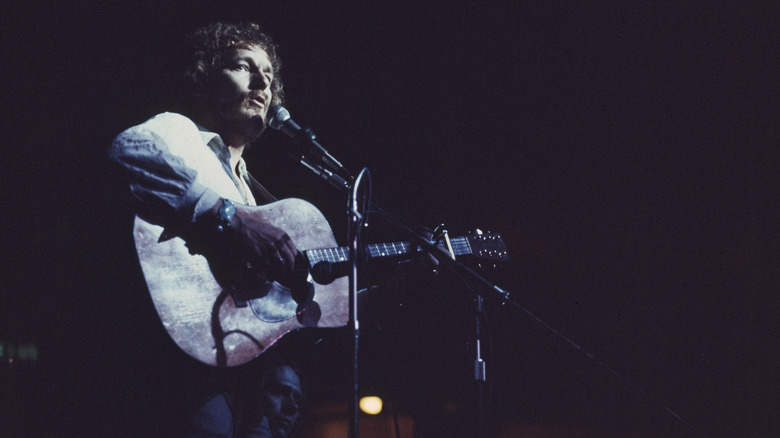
(277, 115)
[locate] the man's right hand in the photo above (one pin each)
(267, 248)
(246, 253)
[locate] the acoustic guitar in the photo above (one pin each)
(224, 326)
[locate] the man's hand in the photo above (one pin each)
(267, 248)
(246, 253)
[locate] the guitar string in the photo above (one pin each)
(460, 245)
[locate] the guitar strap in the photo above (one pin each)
(262, 195)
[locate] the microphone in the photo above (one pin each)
(279, 119)
(326, 272)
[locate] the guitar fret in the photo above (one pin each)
(460, 245)
(388, 249)
(335, 255)
(460, 250)
(331, 255)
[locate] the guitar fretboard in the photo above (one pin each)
(460, 246)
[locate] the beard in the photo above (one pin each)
(241, 117)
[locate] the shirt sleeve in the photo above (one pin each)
(165, 185)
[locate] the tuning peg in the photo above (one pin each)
(488, 266)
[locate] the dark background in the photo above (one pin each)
(627, 151)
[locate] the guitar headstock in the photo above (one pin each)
(488, 247)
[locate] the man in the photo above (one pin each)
(280, 399)
(260, 400)
(187, 174)
(273, 409)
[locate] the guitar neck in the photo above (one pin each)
(460, 246)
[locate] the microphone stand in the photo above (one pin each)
(447, 259)
(357, 220)
(480, 372)
(334, 179)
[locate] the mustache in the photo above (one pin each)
(259, 96)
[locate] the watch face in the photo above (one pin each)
(225, 215)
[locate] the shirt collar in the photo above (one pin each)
(205, 134)
(216, 144)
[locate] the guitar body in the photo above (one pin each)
(211, 324)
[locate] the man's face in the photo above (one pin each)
(239, 92)
(280, 398)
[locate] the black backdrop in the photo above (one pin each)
(627, 151)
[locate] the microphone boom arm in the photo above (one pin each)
(309, 145)
(334, 179)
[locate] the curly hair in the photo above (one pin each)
(206, 45)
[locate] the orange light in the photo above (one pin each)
(371, 405)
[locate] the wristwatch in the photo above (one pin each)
(225, 215)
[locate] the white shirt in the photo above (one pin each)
(177, 170)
